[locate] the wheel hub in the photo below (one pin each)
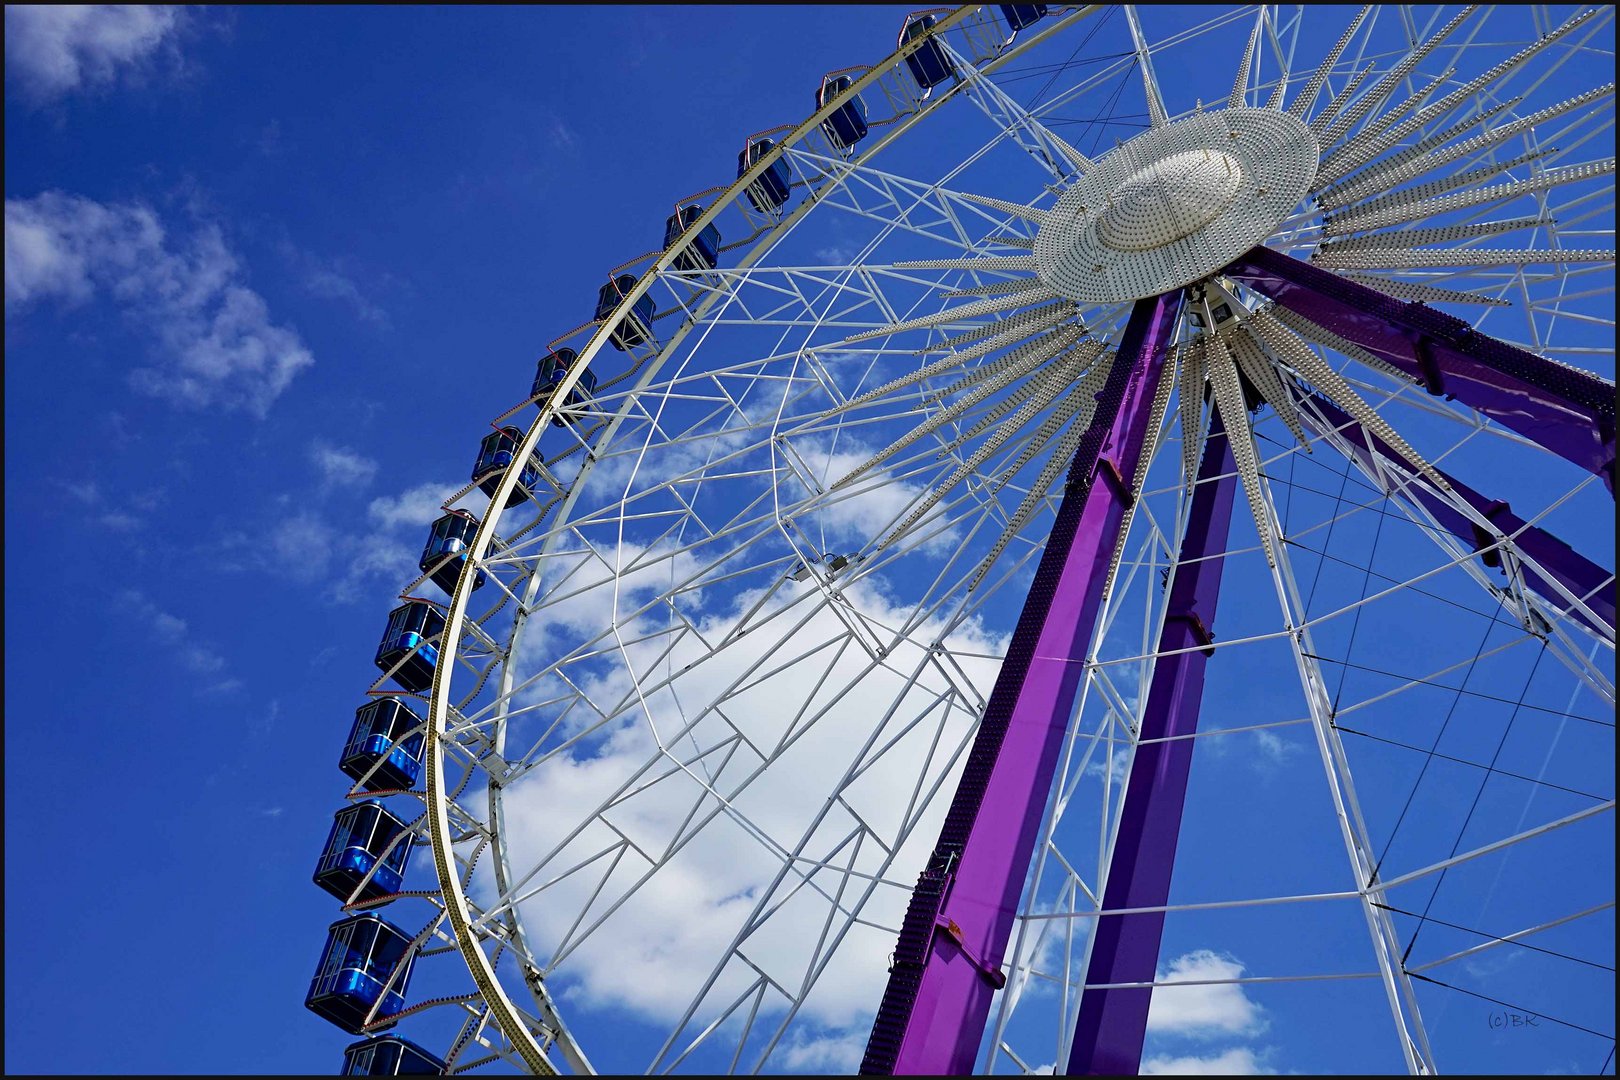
(1171, 198)
(1175, 204)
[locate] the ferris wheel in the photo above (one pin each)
(1093, 554)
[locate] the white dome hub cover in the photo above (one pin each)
(1175, 204)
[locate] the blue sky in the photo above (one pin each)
(365, 224)
(275, 270)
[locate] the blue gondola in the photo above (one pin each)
(929, 65)
(389, 1055)
(636, 327)
(771, 189)
(1019, 16)
(495, 453)
(442, 558)
(385, 735)
(550, 371)
(406, 642)
(847, 125)
(703, 253)
(361, 954)
(361, 833)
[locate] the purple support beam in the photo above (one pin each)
(1112, 1023)
(947, 963)
(1555, 562)
(1568, 411)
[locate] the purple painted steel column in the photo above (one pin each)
(1558, 562)
(947, 963)
(1113, 1023)
(1564, 409)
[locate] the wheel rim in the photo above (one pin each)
(709, 425)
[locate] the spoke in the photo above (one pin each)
(1144, 63)
(745, 640)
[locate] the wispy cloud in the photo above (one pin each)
(835, 256)
(1238, 1061)
(1268, 751)
(174, 633)
(119, 521)
(88, 492)
(266, 723)
(835, 1054)
(98, 506)
(414, 506)
(300, 545)
(326, 283)
(1276, 747)
(269, 141)
(215, 346)
(332, 279)
(55, 49)
(303, 545)
(562, 136)
(1113, 766)
(340, 466)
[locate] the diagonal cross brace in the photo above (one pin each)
(1563, 409)
(1553, 567)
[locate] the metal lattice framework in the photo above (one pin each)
(847, 688)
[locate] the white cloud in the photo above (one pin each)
(846, 519)
(835, 256)
(175, 635)
(118, 521)
(378, 560)
(341, 467)
(646, 961)
(1275, 749)
(877, 501)
(326, 278)
(1206, 1011)
(53, 49)
(1268, 751)
(269, 143)
(1238, 1061)
(1112, 765)
(419, 505)
(44, 259)
(832, 1055)
(265, 724)
(562, 136)
(328, 283)
(88, 492)
(215, 344)
(707, 716)
(303, 544)
(100, 509)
